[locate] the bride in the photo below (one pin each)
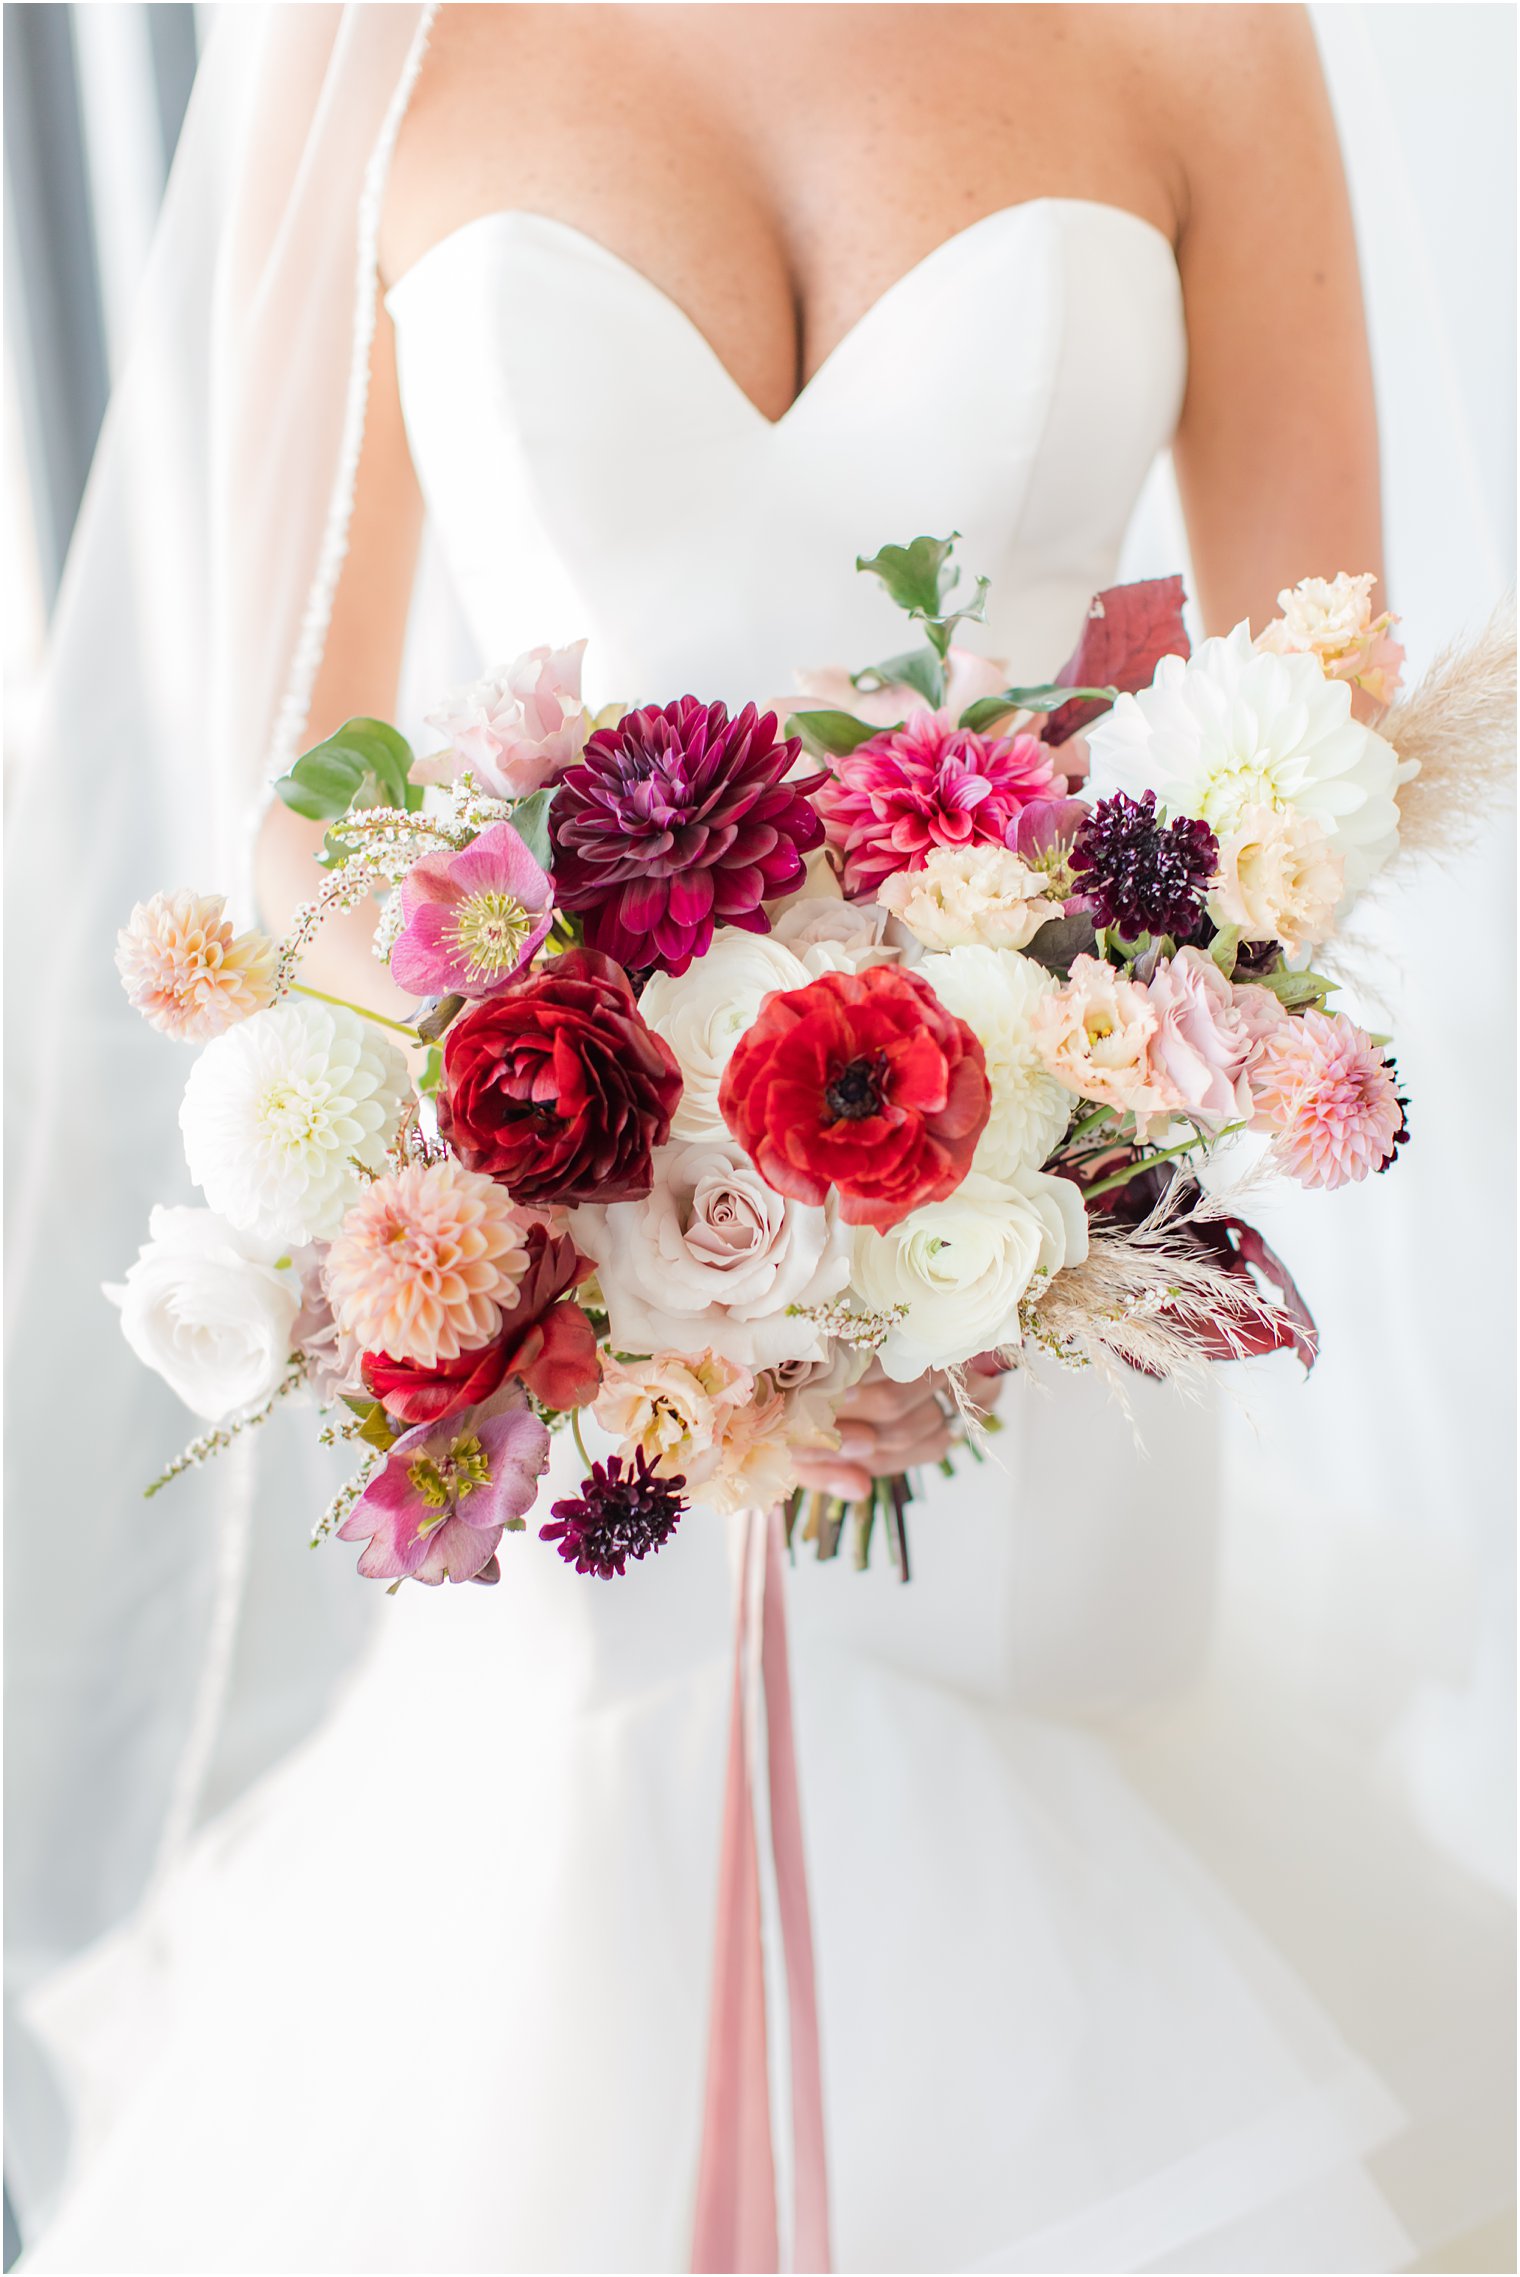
(676, 310)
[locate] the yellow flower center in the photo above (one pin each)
(443, 1481)
(490, 929)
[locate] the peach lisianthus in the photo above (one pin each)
(1279, 879)
(672, 1407)
(514, 730)
(425, 1263)
(185, 970)
(1331, 618)
(970, 896)
(1094, 1034)
(756, 1467)
(1202, 1046)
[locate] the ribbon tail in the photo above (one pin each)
(735, 2228)
(810, 2241)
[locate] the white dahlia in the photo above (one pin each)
(278, 1111)
(997, 992)
(1234, 727)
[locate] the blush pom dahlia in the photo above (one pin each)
(425, 1263)
(677, 819)
(471, 920)
(863, 1083)
(623, 1511)
(448, 1492)
(186, 972)
(545, 1340)
(1329, 1097)
(929, 783)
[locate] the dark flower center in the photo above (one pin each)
(856, 1091)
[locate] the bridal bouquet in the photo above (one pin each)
(897, 1022)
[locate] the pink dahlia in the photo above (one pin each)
(930, 783)
(473, 919)
(427, 1261)
(186, 972)
(675, 820)
(1329, 1096)
(448, 1492)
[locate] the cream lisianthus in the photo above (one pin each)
(279, 1109)
(997, 993)
(1234, 727)
(968, 896)
(962, 1266)
(702, 1013)
(1331, 618)
(1279, 879)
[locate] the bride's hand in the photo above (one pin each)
(884, 1428)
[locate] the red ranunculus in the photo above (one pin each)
(863, 1082)
(557, 1087)
(545, 1339)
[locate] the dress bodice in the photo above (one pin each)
(591, 468)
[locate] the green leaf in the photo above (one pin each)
(432, 1073)
(919, 669)
(433, 1023)
(367, 763)
(1297, 990)
(1061, 939)
(530, 819)
(1224, 948)
(1044, 697)
(830, 734)
(913, 574)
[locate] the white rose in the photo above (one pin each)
(702, 1013)
(996, 992)
(832, 935)
(713, 1257)
(206, 1308)
(962, 1267)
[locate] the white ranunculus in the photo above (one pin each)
(207, 1309)
(714, 1257)
(702, 1013)
(279, 1108)
(962, 1267)
(996, 991)
(1234, 727)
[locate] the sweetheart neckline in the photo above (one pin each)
(517, 216)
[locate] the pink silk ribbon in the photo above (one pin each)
(736, 2226)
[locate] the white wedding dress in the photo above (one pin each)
(434, 1995)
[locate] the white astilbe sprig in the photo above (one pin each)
(345, 1498)
(1458, 724)
(222, 1435)
(385, 842)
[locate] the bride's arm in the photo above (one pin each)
(1277, 450)
(358, 677)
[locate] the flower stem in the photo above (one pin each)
(1148, 1161)
(575, 1433)
(299, 988)
(1088, 1123)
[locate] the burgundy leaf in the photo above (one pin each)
(1129, 629)
(1288, 1327)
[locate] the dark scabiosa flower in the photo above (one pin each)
(676, 820)
(622, 1511)
(1140, 875)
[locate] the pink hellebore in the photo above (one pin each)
(472, 920)
(515, 730)
(449, 1491)
(1042, 835)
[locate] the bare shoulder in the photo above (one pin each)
(1241, 94)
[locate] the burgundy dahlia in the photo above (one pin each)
(622, 1511)
(674, 821)
(1140, 875)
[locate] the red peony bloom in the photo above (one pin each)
(545, 1339)
(556, 1086)
(676, 820)
(863, 1082)
(896, 797)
